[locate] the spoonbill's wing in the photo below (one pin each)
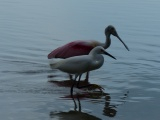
(71, 49)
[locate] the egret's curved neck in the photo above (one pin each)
(97, 62)
(108, 41)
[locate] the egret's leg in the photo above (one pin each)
(79, 81)
(73, 85)
(79, 103)
(75, 105)
(82, 86)
(70, 77)
(87, 77)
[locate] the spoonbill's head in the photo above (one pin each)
(100, 50)
(110, 30)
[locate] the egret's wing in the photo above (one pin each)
(74, 65)
(71, 49)
(54, 60)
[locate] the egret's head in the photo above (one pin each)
(100, 50)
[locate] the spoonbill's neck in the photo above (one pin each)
(108, 41)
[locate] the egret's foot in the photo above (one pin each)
(94, 87)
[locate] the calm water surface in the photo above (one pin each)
(29, 30)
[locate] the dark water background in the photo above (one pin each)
(30, 29)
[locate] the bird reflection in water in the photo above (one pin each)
(76, 113)
(109, 109)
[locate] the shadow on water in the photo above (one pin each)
(77, 113)
(68, 83)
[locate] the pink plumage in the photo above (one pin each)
(71, 49)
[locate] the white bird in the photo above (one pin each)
(78, 65)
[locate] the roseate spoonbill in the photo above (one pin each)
(83, 47)
(78, 65)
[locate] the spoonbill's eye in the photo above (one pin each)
(112, 29)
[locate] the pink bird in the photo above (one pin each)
(83, 47)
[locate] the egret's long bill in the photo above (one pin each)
(122, 42)
(106, 53)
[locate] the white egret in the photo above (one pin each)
(78, 65)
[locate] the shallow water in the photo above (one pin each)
(29, 30)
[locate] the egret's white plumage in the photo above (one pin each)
(80, 64)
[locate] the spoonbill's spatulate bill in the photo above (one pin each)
(78, 65)
(83, 47)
